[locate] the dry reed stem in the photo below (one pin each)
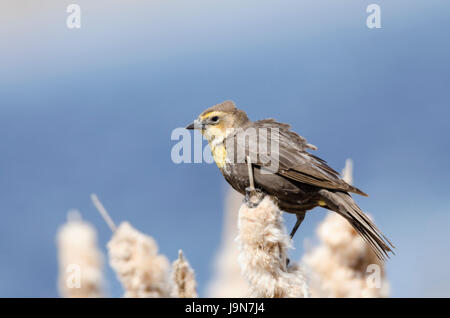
(101, 209)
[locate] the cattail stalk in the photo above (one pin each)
(228, 281)
(264, 244)
(183, 277)
(134, 256)
(80, 260)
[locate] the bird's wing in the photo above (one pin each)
(286, 150)
(285, 129)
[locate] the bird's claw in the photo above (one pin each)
(253, 197)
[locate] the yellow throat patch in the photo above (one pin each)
(217, 148)
(219, 154)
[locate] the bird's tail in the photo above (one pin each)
(342, 203)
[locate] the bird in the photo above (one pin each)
(295, 178)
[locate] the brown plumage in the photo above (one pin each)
(285, 170)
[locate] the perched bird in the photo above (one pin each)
(282, 168)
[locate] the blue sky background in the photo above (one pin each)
(92, 110)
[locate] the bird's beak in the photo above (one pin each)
(195, 125)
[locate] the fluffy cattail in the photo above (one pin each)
(183, 278)
(80, 260)
(344, 265)
(263, 244)
(134, 256)
(141, 270)
(228, 280)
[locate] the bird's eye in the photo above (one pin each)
(215, 119)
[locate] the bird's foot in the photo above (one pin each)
(253, 197)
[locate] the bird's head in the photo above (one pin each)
(219, 120)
